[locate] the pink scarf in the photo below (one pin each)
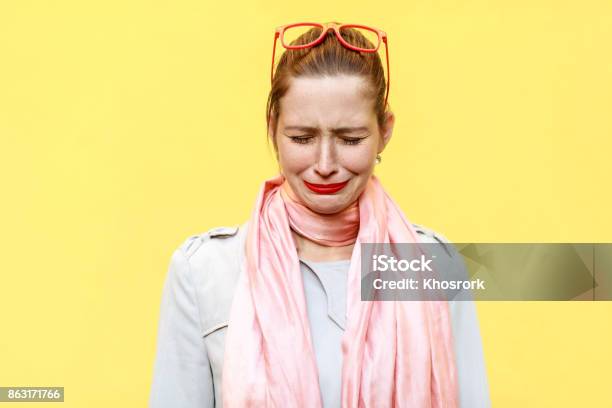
(395, 354)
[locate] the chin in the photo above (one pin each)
(327, 210)
(326, 204)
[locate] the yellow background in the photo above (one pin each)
(127, 126)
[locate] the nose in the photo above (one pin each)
(327, 163)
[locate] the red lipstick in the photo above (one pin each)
(326, 188)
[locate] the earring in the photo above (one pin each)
(378, 159)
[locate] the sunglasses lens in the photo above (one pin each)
(360, 37)
(301, 35)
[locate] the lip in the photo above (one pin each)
(326, 188)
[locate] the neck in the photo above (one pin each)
(311, 251)
(313, 231)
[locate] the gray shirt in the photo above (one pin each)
(325, 291)
(194, 315)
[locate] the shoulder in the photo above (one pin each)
(214, 239)
(429, 236)
(213, 257)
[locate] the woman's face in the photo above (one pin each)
(327, 139)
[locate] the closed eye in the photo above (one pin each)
(352, 140)
(301, 139)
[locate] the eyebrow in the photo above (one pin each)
(340, 130)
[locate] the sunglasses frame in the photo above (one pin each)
(382, 38)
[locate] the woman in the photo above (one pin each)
(269, 313)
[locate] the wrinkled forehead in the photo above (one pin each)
(331, 101)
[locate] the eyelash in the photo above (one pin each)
(306, 140)
(300, 139)
(353, 141)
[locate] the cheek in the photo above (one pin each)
(294, 159)
(357, 159)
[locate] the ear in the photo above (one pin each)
(386, 131)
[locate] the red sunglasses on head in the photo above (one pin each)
(293, 30)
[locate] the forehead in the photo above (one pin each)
(327, 102)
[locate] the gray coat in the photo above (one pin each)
(194, 314)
